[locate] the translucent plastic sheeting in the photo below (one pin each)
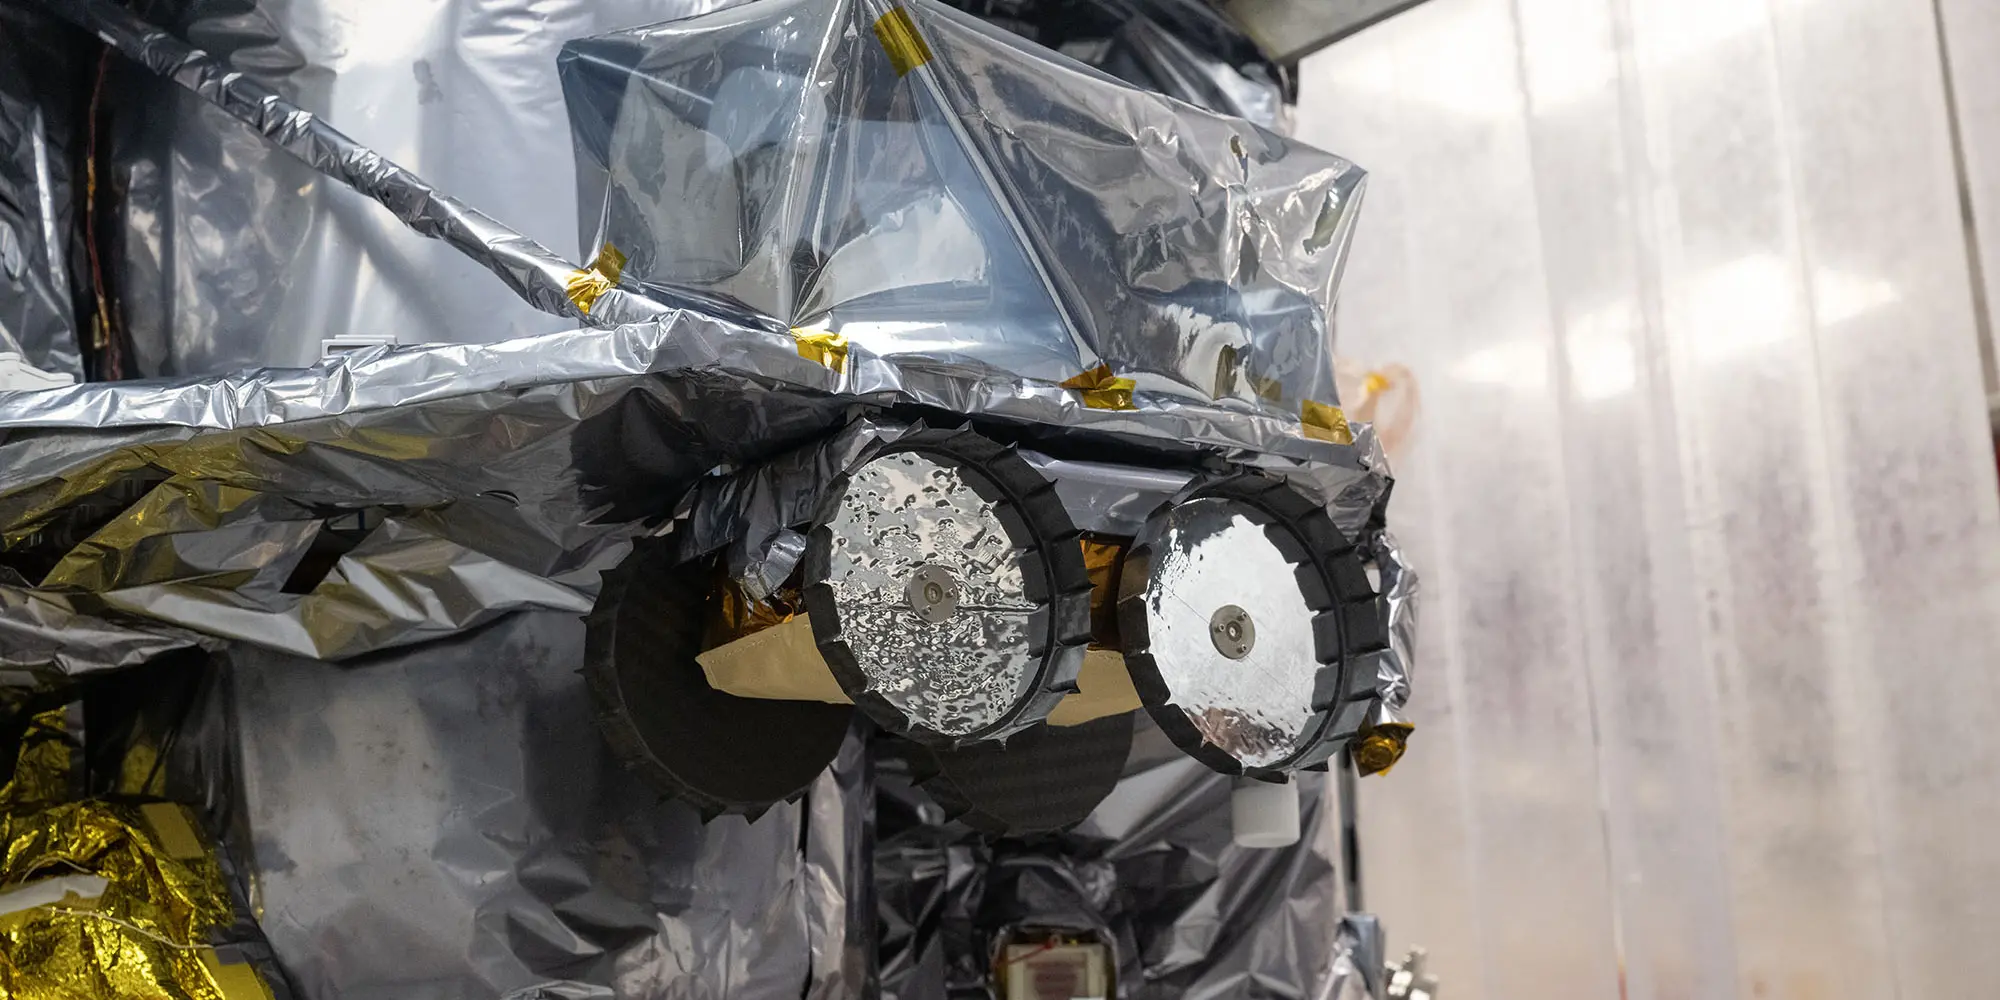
(1705, 491)
(922, 183)
(1970, 31)
(236, 255)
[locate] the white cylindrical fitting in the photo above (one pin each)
(1264, 813)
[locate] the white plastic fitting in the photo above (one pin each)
(1264, 814)
(16, 373)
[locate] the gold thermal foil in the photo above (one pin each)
(587, 284)
(1103, 559)
(1325, 423)
(116, 901)
(1380, 746)
(1102, 390)
(733, 614)
(829, 349)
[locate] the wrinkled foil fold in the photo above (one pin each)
(390, 551)
(443, 821)
(485, 478)
(1152, 872)
(529, 269)
(920, 183)
(39, 63)
(152, 914)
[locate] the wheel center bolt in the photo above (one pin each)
(1232, 631)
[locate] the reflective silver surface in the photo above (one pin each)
(996, 204)
(1236, 924)
(1147, 52)
(1192, 273)
(903, 515)
(384, 378)
(1279, 368)
(39, 109)
(445, 824)
(233, 254)
(1105, 498)
(530, 270)
(45, 638)
(527, 466)
(1401, 590)
(1207, 556)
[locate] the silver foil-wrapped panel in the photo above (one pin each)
(1152, 872)
(444, 822)
(41, 62)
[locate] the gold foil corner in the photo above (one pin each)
(587, 284)
(1325, 423)
(829, 349)
(1377, 748)
(234, 982)
(1102, 390)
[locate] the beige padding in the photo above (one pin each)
(783, 663)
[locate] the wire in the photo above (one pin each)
(110, 359)
(1049, 945)
(128, 925)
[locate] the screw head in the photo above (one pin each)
(933, 594)
(1232, 631)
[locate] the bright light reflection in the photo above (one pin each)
(1727, 313)
(1460, 59)
(1602, 363)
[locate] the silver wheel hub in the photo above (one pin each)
(1232, 631)
(933, 594)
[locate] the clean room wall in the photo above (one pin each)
(1703, 489)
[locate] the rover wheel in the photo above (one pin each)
(1045, 779)
(1242, 605)
(718, 752)
(947, 591)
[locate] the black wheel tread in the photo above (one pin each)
(740, 755)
